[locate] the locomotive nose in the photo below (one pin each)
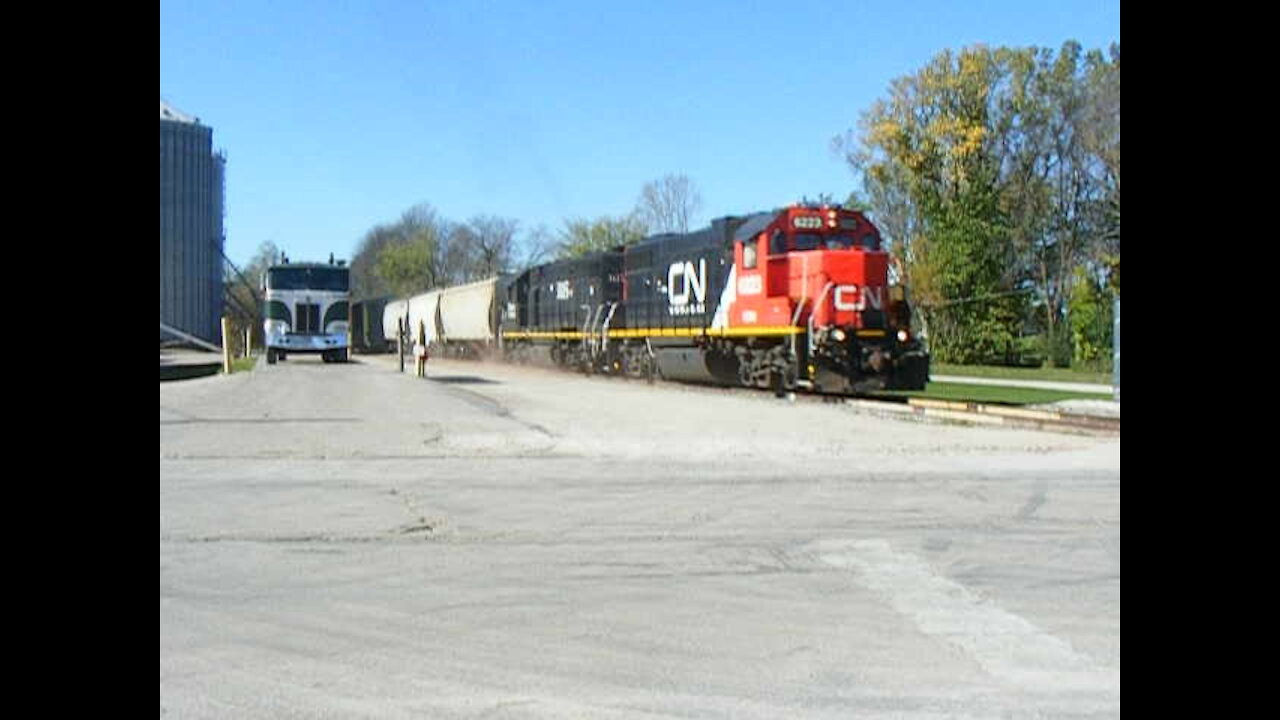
(879, 360)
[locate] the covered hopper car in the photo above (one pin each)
(366, 325)
(460, 321)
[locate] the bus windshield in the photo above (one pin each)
(308, 278)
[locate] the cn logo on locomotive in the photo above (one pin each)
(694, 282)
(872, 295)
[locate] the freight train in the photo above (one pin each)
(793, 298)
(366, 325)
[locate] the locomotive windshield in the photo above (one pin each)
(308, 278)
(843, 241)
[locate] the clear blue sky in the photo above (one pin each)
(336, 116)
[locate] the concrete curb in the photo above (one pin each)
(1035, 384)
(991, 416)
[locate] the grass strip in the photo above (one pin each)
(959, 392)
(1017, 373)
(243, 364)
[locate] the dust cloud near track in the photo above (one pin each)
(512, 542)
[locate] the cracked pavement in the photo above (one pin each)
(511, 542)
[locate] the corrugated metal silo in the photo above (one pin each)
(191, 205)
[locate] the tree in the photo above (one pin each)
(404, 267)
(990, 173)
(1091, 327)
(493, 239)
(668, 205)
(535, 248)
(580, 237)
(402, 258)
(928, 149)
(455, 256)
(1101, 139)
(366, 282)
(243, 287)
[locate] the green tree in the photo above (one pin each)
(404, 267)
(366, 282)
(580, 237)
(1091, 329)
(992, 172)
(408, 257)
(928, 149)
(1100, 125)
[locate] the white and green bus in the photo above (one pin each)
(307, 310)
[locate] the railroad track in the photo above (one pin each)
(928, 410)
(999, 415)
(921, 409)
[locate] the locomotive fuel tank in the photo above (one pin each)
(692, 364)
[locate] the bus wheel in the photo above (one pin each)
(271, 356)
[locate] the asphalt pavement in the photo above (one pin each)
(346, 541)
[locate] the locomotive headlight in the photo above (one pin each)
(903, 336)
(838, 335)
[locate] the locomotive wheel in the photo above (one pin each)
(778, 384)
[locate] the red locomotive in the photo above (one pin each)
(798, 297)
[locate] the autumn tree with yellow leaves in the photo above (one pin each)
(994, 174)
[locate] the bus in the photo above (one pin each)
(308, 308)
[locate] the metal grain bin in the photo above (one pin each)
(191, 235)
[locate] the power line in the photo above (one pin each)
(975, 298)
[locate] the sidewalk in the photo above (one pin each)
(184, 364)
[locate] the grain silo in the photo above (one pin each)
(191, 202)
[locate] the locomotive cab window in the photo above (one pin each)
(777, 243)
(842, 242)
(749, 255)
(808, 241)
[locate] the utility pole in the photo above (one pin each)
(1115, 353)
